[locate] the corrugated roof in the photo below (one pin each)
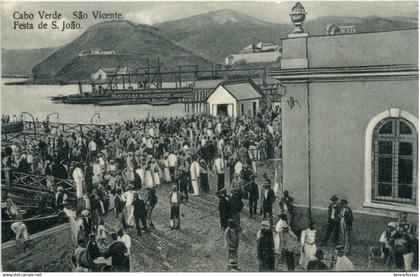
(242, 91)
(207, 84)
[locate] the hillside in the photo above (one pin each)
(218, 34)
(132, 43)
(20, 61)
(215, 35)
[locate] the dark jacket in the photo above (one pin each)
(139, 208)
(119, 204)
(236, 203)
(330, 211)
(93, 251)
(347, 215)
(116, 251)
(265, 250)
(269, 201)
(288, 202)
(252, 189)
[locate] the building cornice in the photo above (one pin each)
(343, 74)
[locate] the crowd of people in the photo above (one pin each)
(116, 169)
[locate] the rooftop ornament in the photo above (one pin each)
(298, 16)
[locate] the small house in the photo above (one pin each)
(235, 99)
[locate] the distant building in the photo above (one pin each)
(333, 29)
(235, 99)
(96, 51)
(102, 74)
(256, 53)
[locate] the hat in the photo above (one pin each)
(334, 198)
(85, 213)
(181, 168)
(393, 225)
(174, 187)
(344, 201)
(59, 188)
(231, 221)
(265, 223)
(340, 248)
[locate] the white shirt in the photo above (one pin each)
(219, 164)
(78, 179)
(128, 198)
(172, 160)
(127, 242)
(195, 170)
(238, 168)
(344, 264)
(174, 198)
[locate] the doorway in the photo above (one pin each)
(222, 109)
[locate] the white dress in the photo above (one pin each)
(156, 176)
(307, 241)
(128, 198)
(195, 174)
(148, 179)
(166, 172)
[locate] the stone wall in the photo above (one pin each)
(49, 250)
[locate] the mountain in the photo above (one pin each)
(218, 34)
(363, 24)
(133, 45)
(20, 61)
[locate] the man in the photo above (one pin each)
(333, 221)
(219, 167)
(93, 251)
(236, 206)
(78, 178)
(286, 206)
(140, 213)
(175, 200)
(60, 198)
(224, 208)
(128, 198)
(317, 264)
(387, 240)
(125, 238)
(265, 247)
(253, 195)
(119, 208)
(183, 182)
(19, 228)
(346, 225)
(267, 200)
(343, 263)
(195, 175)
(117, 251)
(289, 245)
(172, 162)
(232, 242)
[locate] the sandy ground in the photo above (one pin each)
(199, 243)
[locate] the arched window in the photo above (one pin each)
(394, 161)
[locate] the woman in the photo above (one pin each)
(148, 178)
(156, 173)
(204, 176)
(278, 233)
(307, 240)
(166, 172)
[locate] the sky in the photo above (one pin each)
(159, 11)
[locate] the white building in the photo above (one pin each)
(235, 99)
(96, 51)
(103, 73)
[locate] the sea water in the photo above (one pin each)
(34, 100)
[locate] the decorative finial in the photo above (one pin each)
(298, 16)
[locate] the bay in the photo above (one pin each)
(34, 100)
